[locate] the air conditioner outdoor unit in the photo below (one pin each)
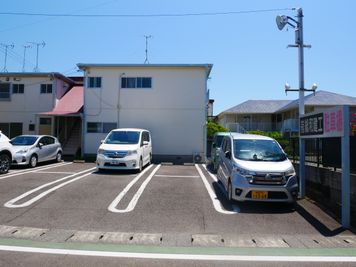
(197, 157)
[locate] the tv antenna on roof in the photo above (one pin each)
(25, 47)
(36, 69)
(147, 37)
(6, 47)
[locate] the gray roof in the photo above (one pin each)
(322, 98)
(258, 106)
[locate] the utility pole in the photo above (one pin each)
(36, 69)
(147, 37)
(25, 47)
(5, 61)
(299, 43)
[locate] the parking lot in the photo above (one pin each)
(165, 205)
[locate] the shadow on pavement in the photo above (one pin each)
(317, 224)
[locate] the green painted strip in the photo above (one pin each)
(324, 252)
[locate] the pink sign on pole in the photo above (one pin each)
(333, 122)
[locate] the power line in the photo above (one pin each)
(143, 15)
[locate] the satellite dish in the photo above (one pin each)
(281, 21)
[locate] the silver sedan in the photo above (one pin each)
(31, 149)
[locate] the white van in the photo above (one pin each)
(126, 148)
(255, 168)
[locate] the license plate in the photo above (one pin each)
(259, 194)
(115, 162)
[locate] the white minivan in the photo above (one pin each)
(126, 148)
(255, 168)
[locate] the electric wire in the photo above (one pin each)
(143, 15)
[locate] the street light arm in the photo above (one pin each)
(296, 22)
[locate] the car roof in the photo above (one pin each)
(129, 129)
(221, 133)
(249, 136)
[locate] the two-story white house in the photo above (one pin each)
(23, 95)
(169, 100)
(39, 103)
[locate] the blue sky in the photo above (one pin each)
(249, 53)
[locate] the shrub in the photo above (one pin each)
(213, 127)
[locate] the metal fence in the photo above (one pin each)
(325, 152)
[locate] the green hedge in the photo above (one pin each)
(214, 127)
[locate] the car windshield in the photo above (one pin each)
(24, 140)
(123, 137)
(258, 150)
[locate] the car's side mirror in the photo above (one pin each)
(228, 154)
(145, 143)
(40, 145)
(102, 141)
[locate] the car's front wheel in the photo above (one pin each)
(4, 163)
(229, 191)
(140, 165)
(59, 157)
(33, 161)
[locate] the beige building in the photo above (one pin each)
(24, 95)
(169, 100)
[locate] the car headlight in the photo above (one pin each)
(131, 152)
(246, 173)
(22, 151)
(101, 151)
(290, 172)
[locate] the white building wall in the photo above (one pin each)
(22, 108)
(174, 109)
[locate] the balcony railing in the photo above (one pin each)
(289, 125)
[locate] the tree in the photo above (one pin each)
(214, 127)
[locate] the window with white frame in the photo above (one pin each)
(136, 82)
(4, 91)
(94, 82)
(18, 88)
(46, 88)
(100, 127)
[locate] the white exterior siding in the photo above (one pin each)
(22, 108)
(173, 110)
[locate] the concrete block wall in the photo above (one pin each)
(324, 186)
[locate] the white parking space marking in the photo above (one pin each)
(214, 198)
(222, 189)
(10, 203)
(135, 198)
(177, 256)
(21, 172)
(55, 172)
(177, 176)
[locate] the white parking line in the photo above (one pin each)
(177, 176)
(21, 172)
(214, 198)
(135, 198)
(222, 189)
(10, 203)
(183, 256)
(55, 172)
